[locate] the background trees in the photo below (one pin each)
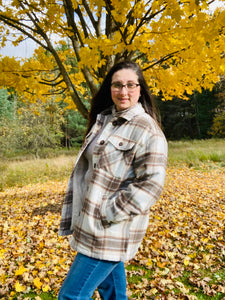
(218, 127)
(190, 119)
(28, 126)
(179, 45)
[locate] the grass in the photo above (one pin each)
(32, 295)
(195, 153)
(217, 277)
(30, 171)
(141, 273)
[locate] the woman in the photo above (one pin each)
(118, 176)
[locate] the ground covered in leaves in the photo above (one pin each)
(181, 257)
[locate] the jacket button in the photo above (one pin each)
(114, 123)
(102, 142)
(120, 144)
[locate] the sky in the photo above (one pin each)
(24, 50)
(27, 47)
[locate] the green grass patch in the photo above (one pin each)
(137, 276)
(196, 153)
(197, 288)
(32, 296)
(137, 273)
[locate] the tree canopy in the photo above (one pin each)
(179, 45)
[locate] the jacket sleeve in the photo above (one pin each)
(150, 169)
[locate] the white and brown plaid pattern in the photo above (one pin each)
(129, 169)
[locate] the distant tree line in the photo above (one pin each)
(195, 118)
(34, 126)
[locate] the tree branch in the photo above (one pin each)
(109, 9)
(82, 21)
(58, 92)
(95, 23)
(17, 25)
(51, 80)
(163, 59)
(144, 20)
(45, 82)
(76, 46)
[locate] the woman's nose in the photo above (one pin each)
(123, 90)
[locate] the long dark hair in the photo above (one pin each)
(103, 100)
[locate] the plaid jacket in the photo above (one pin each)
(129, 170)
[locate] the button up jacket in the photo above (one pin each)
(129, 169)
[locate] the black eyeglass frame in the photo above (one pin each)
(117, 86)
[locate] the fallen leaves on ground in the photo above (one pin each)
(32, 256)
(183, 251)
(184, 246)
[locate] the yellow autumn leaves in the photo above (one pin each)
(185, 236)
(18, 287)
(36, 281)
(180, 46)
(32, 256)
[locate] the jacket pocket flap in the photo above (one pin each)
(121, 144)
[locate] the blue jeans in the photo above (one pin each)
(86, 274)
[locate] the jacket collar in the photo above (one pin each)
(129, 113)
(126, 114)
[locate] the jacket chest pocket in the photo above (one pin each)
(117, 156)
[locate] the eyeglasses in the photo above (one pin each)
(130, 86)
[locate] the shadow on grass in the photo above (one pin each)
(53, 208)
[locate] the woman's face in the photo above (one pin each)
(122, 95)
